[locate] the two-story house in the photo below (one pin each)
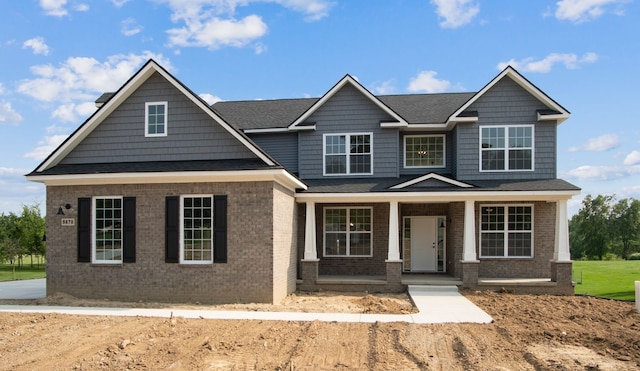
(159, 196)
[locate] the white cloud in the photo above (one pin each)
(569, 60)
(588, 172)
(386, 87)
(37, 45)
(57, 8)
(456, 13)
(81, 78)
(8, 115)
(1, 89)
(313, 9)
(130, 27)
(427, 82)
(46, 146)
(72, 112)
(579, 11)
(260, 48)
(632, 158)
(599, 144)
(209, 98)
(119, 3)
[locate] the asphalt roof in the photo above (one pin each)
(280, 113)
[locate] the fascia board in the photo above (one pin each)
(266, 131)
(420, 197)
(346, 80)
(558, 117)
(279, 175)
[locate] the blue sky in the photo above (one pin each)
(58, 56)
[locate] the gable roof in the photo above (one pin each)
(347, 79)
(439, 179)
(112, 102)
(556, 111)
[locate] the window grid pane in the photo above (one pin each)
(197, 229)
(156, 119)
(514, 152)
(424, 151)
(347, 239)
(356, 161)
(506, 231)
(108, 229)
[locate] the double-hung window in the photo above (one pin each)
(506, 148)
(424, 151)
(197, 230)
(156, 119)
(347, 154)
(347, 231)
(107, 230)
(506, 231)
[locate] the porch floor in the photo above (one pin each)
(515, 282)
(407, 279)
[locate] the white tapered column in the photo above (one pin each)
(310, 252)
(469, 239)
(394, 240)
(561, 249)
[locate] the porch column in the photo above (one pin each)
(561, 248)
(393, 253)
(469, 239)
(310, 251)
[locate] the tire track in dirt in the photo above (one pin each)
(462, 354)
(372, 354)
(400, 348)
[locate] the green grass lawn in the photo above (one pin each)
(607, 279)
(22, 273)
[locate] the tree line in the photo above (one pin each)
(605, 226)
(22, 234)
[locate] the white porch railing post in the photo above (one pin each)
(561, 248)
(310, 252)
(394, 243)
(469, 239)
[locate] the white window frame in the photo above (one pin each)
(347, 153)
(146, 118)
(506, 231)
(348, 232)
(94, 214)
(196, 262)
(506, 148)
(444, 151)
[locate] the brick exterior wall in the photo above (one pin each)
(250, 274)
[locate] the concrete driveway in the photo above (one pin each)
(25, 289)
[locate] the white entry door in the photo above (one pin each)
(424, 249)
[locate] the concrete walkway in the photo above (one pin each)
(436, 304)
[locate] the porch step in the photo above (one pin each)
(422, 289)
(431, 281)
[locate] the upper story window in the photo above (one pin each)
(155, 119)
(107, 230)
(506, 148)
(506, 231)
(346, 154)
(424, 151)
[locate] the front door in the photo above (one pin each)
(424, 249)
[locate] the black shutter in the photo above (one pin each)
(172, 229)
(129, 230)
(219, 229)
(84, 230)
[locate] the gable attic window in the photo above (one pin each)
(506, 148)
(424, 151)
(346, 154)
(155, 119)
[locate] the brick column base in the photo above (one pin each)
(561, 274)
(394, 275)
(470, 274)
(309, 274)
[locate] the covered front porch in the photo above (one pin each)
(458, 262)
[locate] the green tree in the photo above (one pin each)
(591, 227)
(625, 226)
(31, 227)
(10, 248)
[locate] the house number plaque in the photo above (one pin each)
(68, 222)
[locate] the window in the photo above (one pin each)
(424, 151)
(347, 154)
(197, 230)
(107, 230)
(506, 231)
(156, 119)
(506, 148)
(347, 232)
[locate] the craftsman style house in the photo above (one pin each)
(159, 196)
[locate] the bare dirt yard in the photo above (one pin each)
(529, 333)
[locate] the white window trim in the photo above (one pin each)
(93, 230)
(505, 232)
(347, 143)
(348, 232)
(146, 118)
(444, 151)
(506, 149)
(195, 262)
